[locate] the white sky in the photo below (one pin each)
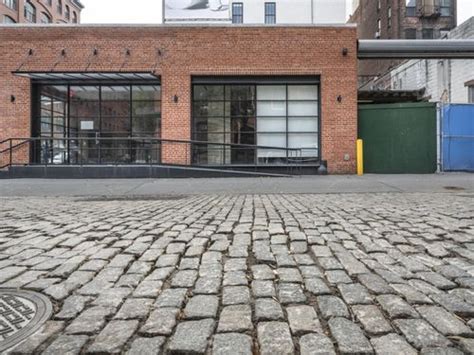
(149, 11)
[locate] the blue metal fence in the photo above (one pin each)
(457, 137)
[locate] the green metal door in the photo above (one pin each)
(399, 138)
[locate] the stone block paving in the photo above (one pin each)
(246, 274)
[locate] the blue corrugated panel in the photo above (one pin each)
(458, 137)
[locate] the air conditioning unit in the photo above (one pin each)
(377, 35)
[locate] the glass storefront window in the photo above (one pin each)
(99, 121)
(280, 116)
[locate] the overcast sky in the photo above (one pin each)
(149, 11)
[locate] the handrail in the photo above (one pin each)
(151, 139)
(13, 146)
(293, 156)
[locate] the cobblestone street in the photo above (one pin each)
(385, 273)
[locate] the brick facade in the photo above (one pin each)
(56, 11)
(176, 54)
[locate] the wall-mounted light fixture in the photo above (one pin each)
(127, 52)
(175, 99)
(339, 99)
(12, 98)
(63, 52)
(159, 52)
(30, 51)
(345, 52)
(96, 51)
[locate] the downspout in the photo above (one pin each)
(312, 12)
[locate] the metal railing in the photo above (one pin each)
(148, 151)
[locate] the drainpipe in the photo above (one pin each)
(312, 12)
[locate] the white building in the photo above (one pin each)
(447, 80)
(255, 11)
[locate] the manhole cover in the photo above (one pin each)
(21, 314)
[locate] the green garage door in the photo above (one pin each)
(399, 138)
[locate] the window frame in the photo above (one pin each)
(287, 116)
(67, 13)
(442, 6)
(43, 16)
(10, 21)
(470, 93)
(29, 12)
(428, 31)
(410, 11)
(270, 18)
(411, 30)
(238, 18)
(11, 4)
(69, 130)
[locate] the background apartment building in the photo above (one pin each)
(400, 19)
(255, 11)
(40, 11)
(288, 11)
(443, 80)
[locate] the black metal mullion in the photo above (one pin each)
(224, 119)
(255, 153)
(100, 126)
(68, 119)
(287, 125)
(52, 129)
(130, 130)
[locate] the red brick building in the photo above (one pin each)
(40, 11)
(238, 89)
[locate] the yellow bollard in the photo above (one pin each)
(360, 157)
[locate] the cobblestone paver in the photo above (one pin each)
(246, 274)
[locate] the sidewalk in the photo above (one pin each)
(452, 182)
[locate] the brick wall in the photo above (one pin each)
(178, 53)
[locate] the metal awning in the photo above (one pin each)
(88, 76)
(390, 96)
(416, 49)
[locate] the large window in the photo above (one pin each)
(67, 13)
(59, 8)
(410, 8)
(45, 18)
(267, 115)
(427, 33)
(30, 12)
(74, 17)
(410, 33)
(470, 90)
(12, 4)
(99, 121)
(8, 20)
(270, 13)
(237, 12)
(445, 7)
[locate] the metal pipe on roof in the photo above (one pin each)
(416, 49)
